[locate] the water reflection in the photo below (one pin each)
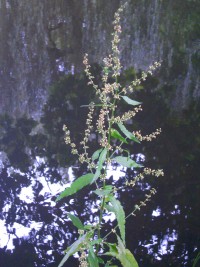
(35, 165)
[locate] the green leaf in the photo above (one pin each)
(96, 241)
(120, 215)
(127, 133)
(96, 175)
(88, 227)
(109, 208)
(100, 260)
(122, 254)
(196, 260)
(106, 70)
(127, 162)
(96, 154)
(125, 256)
(76, 221)
(102, 156)
(76, 185)
(105, 191)
(102, 159)
(73, 249)
(113, 249)
(117, 135)
(130, 101)
(92, 258)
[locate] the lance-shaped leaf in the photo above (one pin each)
(120, 215)
(131, 101)
(127, 162)
(73, 248)
(92, 258)
(117, 135)
(109, 208)
(76, 221)
(122, 254)
(127, 133)
(101, 161)
(96, 154)
(78, 184)
(104, 191)
(125, 256)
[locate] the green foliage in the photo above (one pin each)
(105, 191)
(127, 162)
(76, 221)
(120, 215)
(74, 248)
(102, 158)
(76, 186)
(112, 146)
(117, 135)
(122, 254)
(92, 258)
(127, 133)
(130, 101)
(196, 260)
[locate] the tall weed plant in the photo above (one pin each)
(92, 246)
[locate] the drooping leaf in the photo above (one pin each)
(125, 256)
(92, 258)
(120, 215)
(117, 135)
(113, 249)
(102, 158)
(131, 101)
(122, 254)
(96, 175)
(76, 221)
(105, 191)
(109, 208)
(73, 249)
(127, 162)
(78, 184)
(127, 133)
(96, 154)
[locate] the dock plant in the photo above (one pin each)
(114, 136)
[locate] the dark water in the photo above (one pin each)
(35, 163)
(41, 42)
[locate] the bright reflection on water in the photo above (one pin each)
(48, 191)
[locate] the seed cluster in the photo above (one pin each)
(109, 93)
(149, 137)
(141, 176)
(143, 203)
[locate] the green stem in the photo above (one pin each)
(110, 123)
